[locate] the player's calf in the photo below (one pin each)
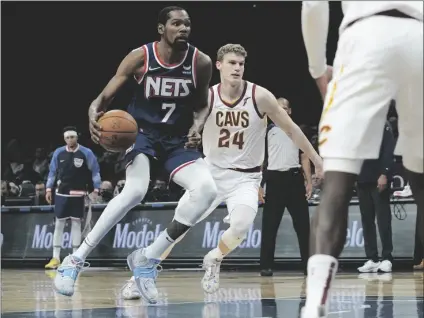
(327, 240)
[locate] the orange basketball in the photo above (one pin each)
(119, 130)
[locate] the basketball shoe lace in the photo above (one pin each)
(72, 267)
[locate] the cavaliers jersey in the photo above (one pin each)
(234, 134)
(354, 10)
(163, 96)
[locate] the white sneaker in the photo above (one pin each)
(145, 272)
(369, 267)
(67, 274)
(406, 192)
(130, 291)
(210, 281)
(385, 266)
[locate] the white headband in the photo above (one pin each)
(70, 133)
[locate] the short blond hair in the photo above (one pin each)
(230, 48)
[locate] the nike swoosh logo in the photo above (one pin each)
(62, 160)
(187, 68)
(153, 68)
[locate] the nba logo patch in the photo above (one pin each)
(78, 162)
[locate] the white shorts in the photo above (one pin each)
(378, 59)
(234, 188)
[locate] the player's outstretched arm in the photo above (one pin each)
(267, 104)
(200, 98)
(129, 66)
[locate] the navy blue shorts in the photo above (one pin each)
(167, 151)
(66, 206)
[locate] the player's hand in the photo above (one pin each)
(194, 139)
(261, 195)
(308, 188)
(382, 183)
(95, 128)
(322, 82)
(49, 197)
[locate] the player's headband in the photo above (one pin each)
(70, 133)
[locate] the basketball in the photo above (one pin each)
(119, 130)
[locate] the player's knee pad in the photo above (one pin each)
(137, 181)
(241, 219)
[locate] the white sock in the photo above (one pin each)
(76, 234)
(59, 225)
(136, 185)
(159, 246)
(321, 272)
(216, 253)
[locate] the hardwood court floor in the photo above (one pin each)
(28, 293)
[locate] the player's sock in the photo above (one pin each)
(136, 185)
(228, 242)
(76, 234)
(241, 218)
(321, 272)
(159, 246)
(57, 237)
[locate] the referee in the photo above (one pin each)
(73, 167)
(285, 188)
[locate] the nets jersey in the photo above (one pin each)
(234, 134)
(163, 96)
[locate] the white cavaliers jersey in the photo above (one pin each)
(234, 134)
(353, 10)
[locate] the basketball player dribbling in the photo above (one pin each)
(379, 58)
(234, 147)
(173, 79)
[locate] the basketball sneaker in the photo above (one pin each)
(210, 281)
(130, 290)
(145, 272)
(53, 264)
(67, 274)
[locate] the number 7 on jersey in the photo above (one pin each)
(171, 108)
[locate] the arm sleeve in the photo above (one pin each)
(315, 21)
(93, 165)
(53, 169)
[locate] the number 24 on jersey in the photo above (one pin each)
(225, 139)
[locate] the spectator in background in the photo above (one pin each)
(373, 189)
(75, 167)
(40, 166)
(316, 187)
(40, 194)
(16, 169)
(105, 193)
(119, 187)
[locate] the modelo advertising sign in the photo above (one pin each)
(30, 234)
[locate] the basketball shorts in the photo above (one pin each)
(234, 188)
(69, 206)
(165, 151)
(378, 59)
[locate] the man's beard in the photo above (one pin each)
(179, 46)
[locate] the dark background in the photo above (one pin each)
(57, 57)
